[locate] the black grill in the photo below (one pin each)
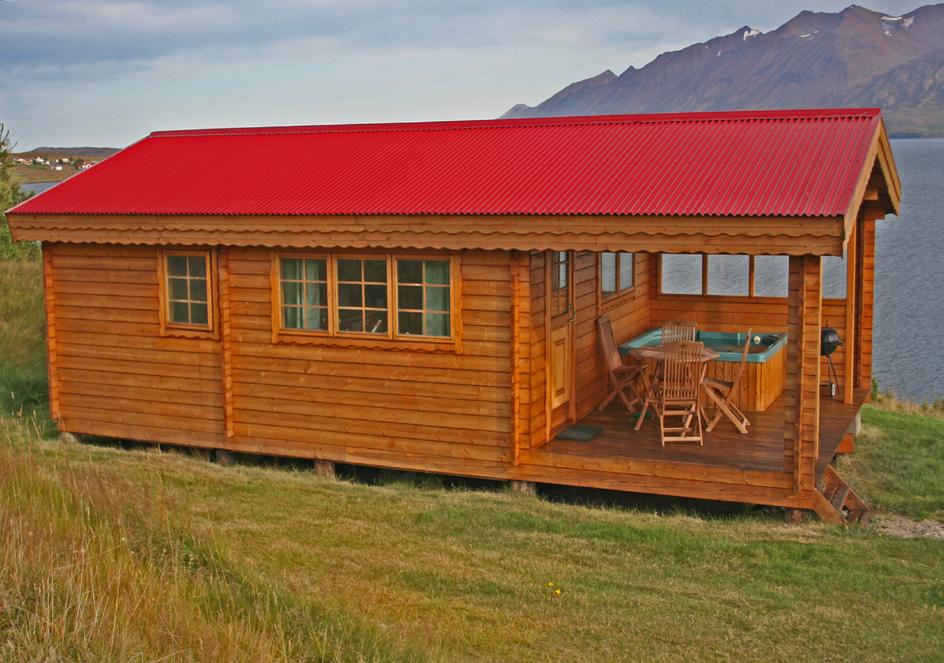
(828, 342)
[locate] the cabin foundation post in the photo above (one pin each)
(793, 516)
(224, 457)
(523, 487)
(325, 469)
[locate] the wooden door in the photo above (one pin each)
(560, 351)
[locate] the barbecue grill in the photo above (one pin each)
(828, 342)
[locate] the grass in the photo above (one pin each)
(39, 173)
(22, 340)
(899, 462)
(114, 554)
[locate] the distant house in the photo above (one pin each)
(426, 296)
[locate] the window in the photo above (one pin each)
(186, 291)
(406, 298)
(423, 298)
(362, 296)
(304, 286)
(616, 273)
(560, 283)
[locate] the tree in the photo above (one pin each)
(10, 195)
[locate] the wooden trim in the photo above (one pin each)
(634, 234)
(226, 345)
(704, 275)
(52, 362)
(751, 276)
(516, 358)
(548, 377)
(180, 330)
(849, 343)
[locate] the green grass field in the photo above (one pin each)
(135, 554)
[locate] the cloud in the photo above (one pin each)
(108, 71)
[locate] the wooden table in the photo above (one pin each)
(652, 355)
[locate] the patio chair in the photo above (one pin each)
(622, 377)
(677, 404)
(674, 331)
(722, 393)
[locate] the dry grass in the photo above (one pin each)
(131, 555)
(889, 402)
(94, 566)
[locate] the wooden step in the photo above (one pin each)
(837, 503)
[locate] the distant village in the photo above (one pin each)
(56, 164)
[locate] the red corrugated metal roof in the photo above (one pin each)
(746, 163)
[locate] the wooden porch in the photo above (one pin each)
(756, 459)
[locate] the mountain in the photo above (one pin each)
(856, 57)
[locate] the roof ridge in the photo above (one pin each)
(542, 122)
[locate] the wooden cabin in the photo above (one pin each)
(424, 296)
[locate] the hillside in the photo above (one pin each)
(87, 153)
(853, 57)
(54, 164)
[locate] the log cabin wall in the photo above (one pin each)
(115, 375)
(629, 313)
(447, 411)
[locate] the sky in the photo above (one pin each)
(108, 72)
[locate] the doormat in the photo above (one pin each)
(579, 433)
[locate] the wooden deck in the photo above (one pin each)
(761, 450)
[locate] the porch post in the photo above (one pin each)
(864, 285)
(802, 387)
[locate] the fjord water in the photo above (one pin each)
(908, 356)
(909, 277)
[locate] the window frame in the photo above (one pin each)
(334, 305)
(453, 301)
(277, 319)
(609, 299)
(182, 329)
(558, 295)
(392, 339)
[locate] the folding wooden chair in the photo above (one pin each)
(623, 377)
(722, 393)
(674, 331)
(682, 373)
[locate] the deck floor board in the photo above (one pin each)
(761, 450)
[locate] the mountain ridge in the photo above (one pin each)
(816, 59)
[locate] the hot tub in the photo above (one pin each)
(764, 374)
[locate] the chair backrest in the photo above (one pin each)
(674, 331)
(682, 371)
(608, 343)
(744, 352)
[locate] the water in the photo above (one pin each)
(908, 355)
(37, 187)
